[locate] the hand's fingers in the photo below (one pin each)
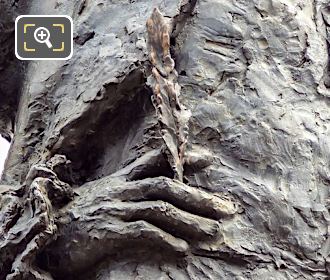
(145, 231)
(86, 243)
(39, 171)
(179, 194)
(168, 218)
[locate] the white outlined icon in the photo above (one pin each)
(42, 35)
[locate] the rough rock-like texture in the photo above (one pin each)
(11, 71)
(183, 140)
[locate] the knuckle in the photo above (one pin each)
(163, 206)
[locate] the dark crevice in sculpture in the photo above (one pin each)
(88, 156)
(11, 70)
(179, 22)
(326, 19)
(83, 38)
(158, 166)
(101, 137)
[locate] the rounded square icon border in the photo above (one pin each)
(45, 16)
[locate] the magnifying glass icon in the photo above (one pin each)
(41, 35)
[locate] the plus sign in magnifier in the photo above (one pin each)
(42, 35)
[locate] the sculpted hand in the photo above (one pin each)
(111, 214)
